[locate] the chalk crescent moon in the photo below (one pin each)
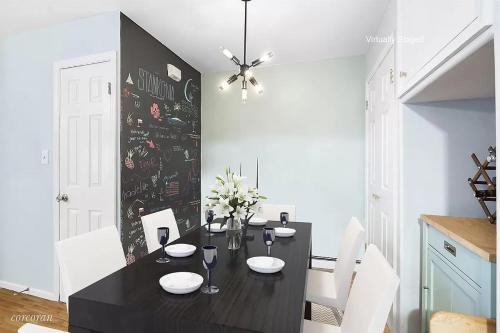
(185, 90)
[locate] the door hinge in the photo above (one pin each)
(109, 88)
(391, 74)
(366, 105)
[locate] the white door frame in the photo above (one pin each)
(397, 178)
(58, 67)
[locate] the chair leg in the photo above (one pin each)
(338, 314)
(308, 311)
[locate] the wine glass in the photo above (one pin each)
(209, 262)
(268, 236)
(209, 217)
(284, 218)
(163, 233)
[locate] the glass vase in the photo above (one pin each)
(233, 234)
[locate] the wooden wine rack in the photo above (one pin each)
(483, 185)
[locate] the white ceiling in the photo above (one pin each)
(296, 30)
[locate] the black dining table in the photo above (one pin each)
(132, 300)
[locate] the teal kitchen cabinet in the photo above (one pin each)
(458, 267)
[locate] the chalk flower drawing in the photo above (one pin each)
(130, 256)
(129, 163)
(155, 111)
(126, 92)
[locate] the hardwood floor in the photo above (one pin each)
(16, 310)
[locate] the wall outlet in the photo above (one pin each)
(44, 157)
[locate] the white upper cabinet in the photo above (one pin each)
(430, 32)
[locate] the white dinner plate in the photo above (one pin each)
(215, 227)
(257, 221)
(266, 265)
(284, 232)
(181, 282)
(180, 250)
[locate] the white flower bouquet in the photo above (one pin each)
(231, 197)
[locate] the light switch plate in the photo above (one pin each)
(44, 157)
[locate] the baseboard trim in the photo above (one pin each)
(32, 291)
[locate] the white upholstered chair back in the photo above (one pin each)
(371, 296)
(31, 328)
(87, 258)
(348, 253)
(272, 212)
(151, 223)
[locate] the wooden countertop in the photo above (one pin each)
(475, 234)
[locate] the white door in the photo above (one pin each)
(382, 175)
(87, 141)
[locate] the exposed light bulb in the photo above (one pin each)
(244, 95)
(227, 53)
(223, 86)
(248, 74)
(267, 56)
(259, 88)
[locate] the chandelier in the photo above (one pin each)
(244, 68)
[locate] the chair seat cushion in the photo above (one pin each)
(315, 327)
(31, 328)
(320, 288)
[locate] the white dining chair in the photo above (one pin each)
(87, 258)
(151, 223)
(370, 299)
(332, 289)
(32, 328)
(272, 212)
(83, 260)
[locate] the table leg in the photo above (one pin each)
(308, 309)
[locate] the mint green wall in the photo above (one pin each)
(26, 95)
(308, 132)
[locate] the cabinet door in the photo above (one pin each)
(426, 27)
(448, 289)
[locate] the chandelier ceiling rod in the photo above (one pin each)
(245, 36)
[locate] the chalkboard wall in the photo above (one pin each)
(160, 137)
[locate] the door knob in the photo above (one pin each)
(62, 197)
(375, 196)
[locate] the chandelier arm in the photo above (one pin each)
(256, 84)
(256, 62)
(232, 79)
(236, 61)
(253, 81)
